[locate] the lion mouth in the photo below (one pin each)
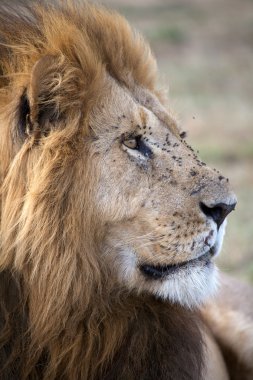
(162, 271)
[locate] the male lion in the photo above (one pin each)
(109, 221)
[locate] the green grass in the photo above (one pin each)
(168, 33)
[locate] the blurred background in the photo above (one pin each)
(204, 50)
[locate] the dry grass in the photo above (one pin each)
(205, 54)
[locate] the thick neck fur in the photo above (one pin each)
(132, 338)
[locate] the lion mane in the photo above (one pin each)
(62, 316)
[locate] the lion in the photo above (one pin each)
(110, 223)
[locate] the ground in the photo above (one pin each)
(205, 56)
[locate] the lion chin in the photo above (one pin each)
(190, 283)
(110, 222)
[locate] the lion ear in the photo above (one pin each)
(39, 108)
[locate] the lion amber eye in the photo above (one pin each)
(136, 143)
(131, 143)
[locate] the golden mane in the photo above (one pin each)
(88, 38)
(85, 42)
(61, 316)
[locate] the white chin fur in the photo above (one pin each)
(190, 287)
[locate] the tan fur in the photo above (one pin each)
(81, 212)
(215, 367)
(230, 317)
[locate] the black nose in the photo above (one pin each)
(218, 212)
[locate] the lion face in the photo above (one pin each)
(163, 210)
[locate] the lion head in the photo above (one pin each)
(100, 192)
(92, 160)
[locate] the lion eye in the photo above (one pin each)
(136, 143)
(131, 143)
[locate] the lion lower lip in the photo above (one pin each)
(162, 271)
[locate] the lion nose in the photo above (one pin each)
(217, 212)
